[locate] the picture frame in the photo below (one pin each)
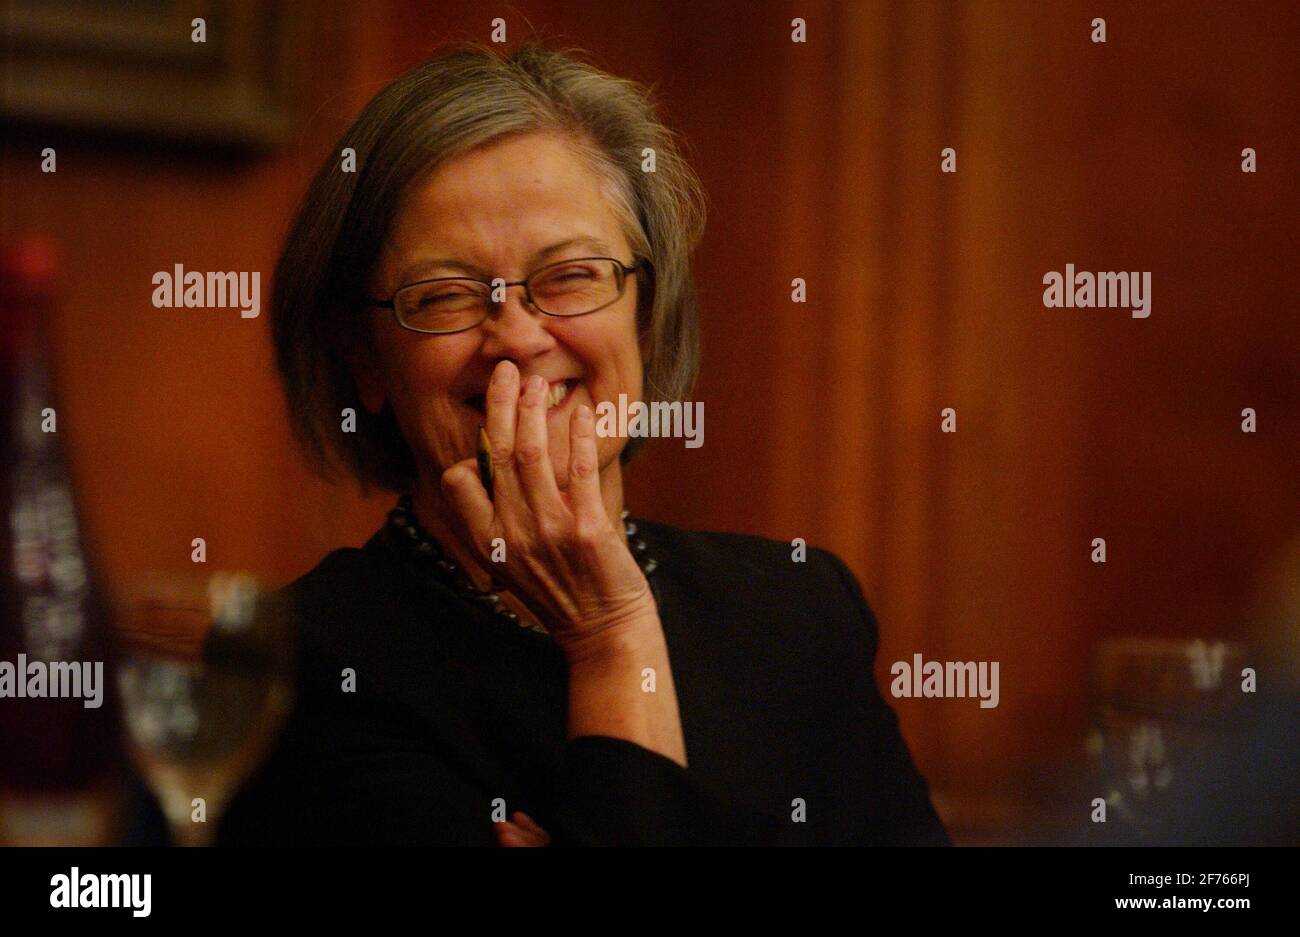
(147, 67)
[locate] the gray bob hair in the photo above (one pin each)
(462, 99)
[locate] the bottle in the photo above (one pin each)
(60, 738)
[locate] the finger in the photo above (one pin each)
(533, 452)
(537, 835)
(502, 402)
(524, 821)
(509, 835)
(472, 510)
(512, 834)
(584, 470)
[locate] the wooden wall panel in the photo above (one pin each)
(1072, 423)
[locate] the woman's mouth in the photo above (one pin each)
(557, 394)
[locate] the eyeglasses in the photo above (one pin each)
(454, 304)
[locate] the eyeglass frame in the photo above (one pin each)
(624, 271)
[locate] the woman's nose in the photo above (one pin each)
(514, 329)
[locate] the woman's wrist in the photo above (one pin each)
(621, 685)
(631, 635)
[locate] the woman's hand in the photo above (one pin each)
(565, 559)
(521, 830)
(568, 562)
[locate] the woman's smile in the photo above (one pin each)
(558, 394)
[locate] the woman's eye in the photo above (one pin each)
(570, 275)
(444, 297)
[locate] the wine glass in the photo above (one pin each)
(1161, 709)
(205, 675)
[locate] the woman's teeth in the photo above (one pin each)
(556, 393)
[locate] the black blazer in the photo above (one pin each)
(458, 717)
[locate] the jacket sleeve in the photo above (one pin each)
(892, 805)
(612, 792)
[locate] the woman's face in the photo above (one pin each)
(502, 210)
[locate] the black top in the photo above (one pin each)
(454, 708)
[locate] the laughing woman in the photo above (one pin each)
(532, 665)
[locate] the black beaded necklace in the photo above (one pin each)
(409, 531)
